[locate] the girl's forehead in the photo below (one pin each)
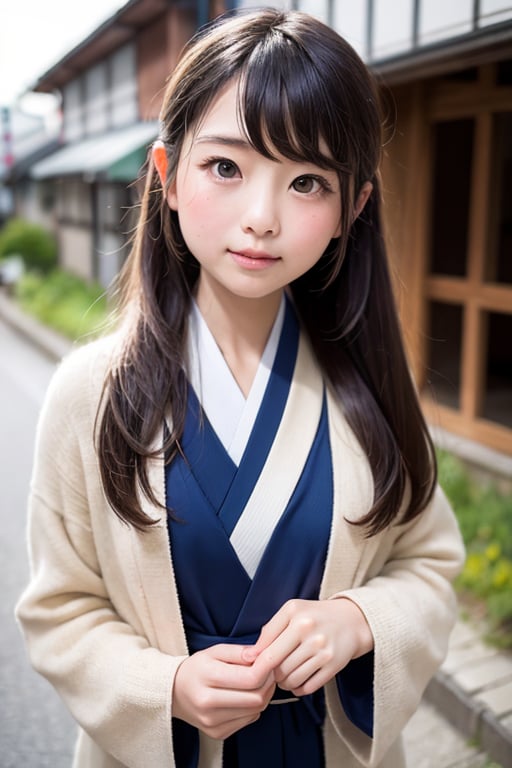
(222, 112)
(223, 120)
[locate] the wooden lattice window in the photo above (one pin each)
(468, 282)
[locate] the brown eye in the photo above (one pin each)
(309, 184)
(226, 169)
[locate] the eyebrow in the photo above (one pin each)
(228, 141)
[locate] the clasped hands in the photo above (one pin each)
(304, 645)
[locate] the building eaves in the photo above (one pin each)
(474, 49)
(22, 165)
(114, 32)
(117, 155)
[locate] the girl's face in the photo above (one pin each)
(253, 224)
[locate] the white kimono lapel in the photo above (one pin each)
(285, 462)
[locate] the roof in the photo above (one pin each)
(112, 34)
(472, 49)
(116, 156)
(22, 165)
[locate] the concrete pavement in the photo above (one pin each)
(473, 690)
(36, 731)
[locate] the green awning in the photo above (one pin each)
(113, 156)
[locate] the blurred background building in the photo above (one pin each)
(446, 75)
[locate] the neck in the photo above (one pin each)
(241, 328)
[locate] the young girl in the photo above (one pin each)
(239, 554)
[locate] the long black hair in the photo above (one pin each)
(301, 88)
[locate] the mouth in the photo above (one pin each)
(249, 253)
(251, 259)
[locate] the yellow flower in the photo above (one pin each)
(475, 566)
(502, 575)
(493, 552)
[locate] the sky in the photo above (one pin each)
(35, 34)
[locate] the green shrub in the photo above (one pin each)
(485, 519)
(32, 242)
(64, 302)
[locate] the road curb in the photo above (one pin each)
(471, 717)
(53, 344)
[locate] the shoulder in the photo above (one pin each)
(87, 366)
(77, 385)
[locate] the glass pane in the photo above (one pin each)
(444, 350)
(392, 27)
(350, 19)
(318, 8)
(96, 99)
(440, 20)
(497, 400)
(499, 246)
(73, 111)
(494, 11)
(123, 87)
(504, 72)
(451, 189)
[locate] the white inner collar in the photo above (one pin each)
(231, 415)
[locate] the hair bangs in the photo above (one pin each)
(283, 104)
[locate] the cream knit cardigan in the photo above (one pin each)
(101, 616)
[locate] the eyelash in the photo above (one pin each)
(320, 180)
(325, 186)
(210, 162)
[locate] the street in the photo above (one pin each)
(35, 729)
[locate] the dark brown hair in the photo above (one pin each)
(299, 83)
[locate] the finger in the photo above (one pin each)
(239, 677)
(301, 674)
(215, 707)
(272, 629)
(228, 653)
(273, 656)
(313, 683)
(226, 729)
(313, 650)
(227, 703)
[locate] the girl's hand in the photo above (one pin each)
(307, 642)
(218, 692)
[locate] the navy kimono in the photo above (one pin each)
(237, 560)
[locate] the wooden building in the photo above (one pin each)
(448, 178)
(111, 87)
(446, 73)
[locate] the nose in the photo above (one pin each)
(260, 215)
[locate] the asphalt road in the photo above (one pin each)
(35, 729)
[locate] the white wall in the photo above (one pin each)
(123, 87)
(103, 97)
(393, 20)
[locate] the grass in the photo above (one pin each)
(485, 519)
(64, 302)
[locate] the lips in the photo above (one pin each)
(253, 261)
(249, 253)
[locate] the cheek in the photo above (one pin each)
(201, 214)
(318, 229)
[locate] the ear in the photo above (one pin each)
(161, 164)
(160, 160)
(362, 199)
